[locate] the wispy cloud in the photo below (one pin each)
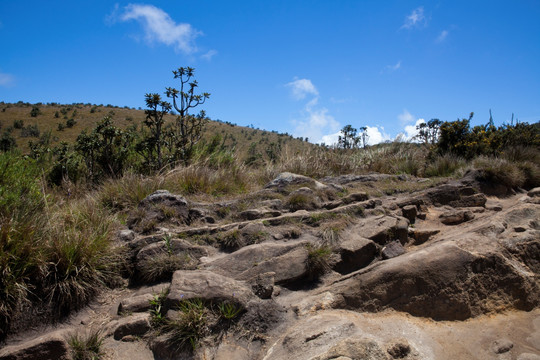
(392, 68)
(209, 55)
(415, 19)
(442, 36)
(6, 80)
(314, 120)
(300, 88)
(405, 117)
(159, 27)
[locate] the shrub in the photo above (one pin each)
(30, 131)
(35, 111)
(70, 123)
(18, 124)
(444, 165)
(7, 141)
(500, 170)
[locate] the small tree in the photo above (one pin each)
(189, 127)
(348, 139)
(429, 132)
(364, 136)
(153, 144)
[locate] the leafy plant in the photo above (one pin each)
(157, 308)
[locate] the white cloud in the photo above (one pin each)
(6, 80)
(415, 18)
(330, 139)
(161, 28)
(315, 124)
(376, 135)
(411, 131)
(300, 88)
(405, 117)
(315, 121)
(442, 36)
(209, 55)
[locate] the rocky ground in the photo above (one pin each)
(321, 270)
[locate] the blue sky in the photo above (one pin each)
(303, 67)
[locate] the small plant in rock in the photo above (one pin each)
(301, 201)
(189, 326)
(318, 261)
(231, 240)
(161, 266)
(87, 347)
(228, 310)
(156, 311)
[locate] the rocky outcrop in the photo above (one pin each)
(52, 346)
(393, 267)
(286, 261)
(206, 285)
(443, 282)
(286, 179)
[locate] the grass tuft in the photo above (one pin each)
(318, 261)
(87, 347)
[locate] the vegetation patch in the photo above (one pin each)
(87, 347)
(318, 261)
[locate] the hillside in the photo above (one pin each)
(48, 117)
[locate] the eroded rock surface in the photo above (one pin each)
(358, 278)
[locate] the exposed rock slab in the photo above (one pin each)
(52, 346)
(207, 285)
(442, 281)
(286, 260)
(383, 229)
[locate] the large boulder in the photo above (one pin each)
(286, 260)
(136, 325)
(383, 229)
(356, 252)
(392, 249)
(442, 281)
(159, 206)
(469, 201)
(286, 178)
(208, 286)
(51, 346)
(456, 217)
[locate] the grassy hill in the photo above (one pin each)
(30, 121)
